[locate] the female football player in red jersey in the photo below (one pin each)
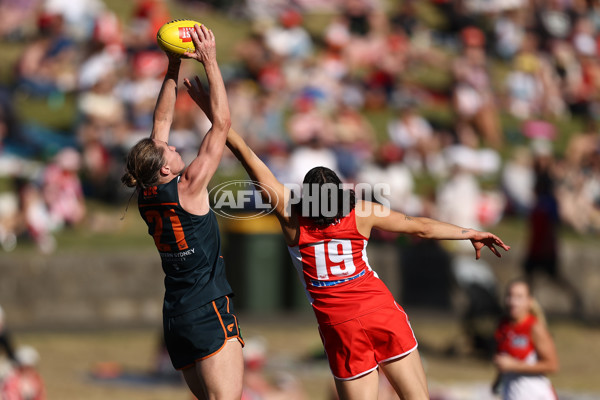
(361, 326)
(200, 327)
(525, 349)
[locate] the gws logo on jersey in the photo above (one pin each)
(151, 191)
(241, 199)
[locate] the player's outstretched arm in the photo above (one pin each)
(165, 103)
(201, 170)
(271, 189)
(378, 216)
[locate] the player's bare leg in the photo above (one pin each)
(218, 377)
(194, 383)
(364, 388)
(407, 377)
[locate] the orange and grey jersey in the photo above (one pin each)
(189, 246)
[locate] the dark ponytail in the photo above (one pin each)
(322, 190)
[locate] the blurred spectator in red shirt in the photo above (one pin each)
(474, 100)
(24, 382)
(148, 17)
(62, 189)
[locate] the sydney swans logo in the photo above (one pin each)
(242, 199)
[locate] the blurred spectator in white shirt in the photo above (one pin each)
(509, 31)
(389, 169)
(517, 181)
(288, 38)
(313, 153)
(414, 135)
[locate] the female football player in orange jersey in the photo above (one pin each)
(200, 326)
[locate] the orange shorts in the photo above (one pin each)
(356, 347)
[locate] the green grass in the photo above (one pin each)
(107, 227)
(10, 54)
(124, 9)
(430, 77)
(57, 112)
(430, 15)
(86, 241)
(379, 120)
(69, 358)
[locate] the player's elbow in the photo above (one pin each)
(222, 122)
(424, 230)
(553, 367)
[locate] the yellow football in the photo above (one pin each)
(175, 37)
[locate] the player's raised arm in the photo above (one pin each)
(271, 189)
(165, 103)
(275, 191)
(374, 215)
(201, 170)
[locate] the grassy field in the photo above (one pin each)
(69, 359)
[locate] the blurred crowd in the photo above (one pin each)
(460, 106)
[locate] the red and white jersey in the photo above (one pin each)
(333, 267)
(515, 340)
(23, 385)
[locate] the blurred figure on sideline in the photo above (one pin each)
(38, 223)
(62, 189)
(525, 350)
(460, 200)
(517, 180)
(544, 221)
(24, 382)
(415, 135)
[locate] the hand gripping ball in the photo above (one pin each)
(175, 36)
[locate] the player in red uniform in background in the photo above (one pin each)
(525, 351)
(361, 326)
(24, 382)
